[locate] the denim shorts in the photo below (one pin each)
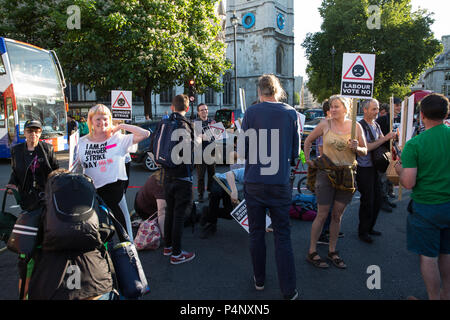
(428, 229)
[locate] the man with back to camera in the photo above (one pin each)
(178, 190)
(267, 184)
(424, 169)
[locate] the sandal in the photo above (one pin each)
(318, 263)
(338, 262)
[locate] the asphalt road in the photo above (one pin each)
(222, 268)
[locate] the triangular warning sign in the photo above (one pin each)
(121, 102)
(245, 222)
(358, 71)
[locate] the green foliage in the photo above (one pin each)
(404, 45)
(140, 45)
(296, 98)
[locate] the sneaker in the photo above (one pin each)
(340, 234)
(386, 207)
(167, 251)
(135, 223)
(258, 286)
(366, 238)
(182, 257)
(293, 296)
(375, 233)
(392, 204)
(323, 239)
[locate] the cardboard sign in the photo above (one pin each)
(216, 131)
(121, 105)
(242, 98)
(240, 215)
(358, 72)
(73, 148)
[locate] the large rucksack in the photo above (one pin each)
(161, 143)
(71, 221)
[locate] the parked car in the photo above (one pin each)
(228, 116)
(311, 114)
(142, 155)
(308, 128)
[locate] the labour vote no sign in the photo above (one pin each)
(358, 71)
(121, 105)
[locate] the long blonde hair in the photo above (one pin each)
(98, 109)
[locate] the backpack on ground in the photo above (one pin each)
(304, 207)
(71, 221)
(161, 143)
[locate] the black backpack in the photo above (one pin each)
(161, 143)
(71, 220)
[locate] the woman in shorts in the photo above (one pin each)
(341, 150)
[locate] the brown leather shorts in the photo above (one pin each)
(326, 194)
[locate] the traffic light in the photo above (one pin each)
(191, 90)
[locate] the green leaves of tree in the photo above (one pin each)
(140, 45)
(404, 45)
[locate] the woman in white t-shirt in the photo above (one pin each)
(102, 153)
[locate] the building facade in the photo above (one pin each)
(437, 79)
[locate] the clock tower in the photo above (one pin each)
(264, 43)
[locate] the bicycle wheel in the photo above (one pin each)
(301, 186)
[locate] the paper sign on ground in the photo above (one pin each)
(240, 215)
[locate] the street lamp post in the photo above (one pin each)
(234, 23)
(333, 52)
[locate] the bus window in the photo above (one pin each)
(11, 124)
(2, 67)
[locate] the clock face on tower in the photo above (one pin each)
(248, 20)
(281, 21)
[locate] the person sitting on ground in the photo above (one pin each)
(150, 199)
(229, 179)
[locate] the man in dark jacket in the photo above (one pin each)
(178, 189)
(202, 113)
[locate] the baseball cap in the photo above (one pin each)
(33, 124)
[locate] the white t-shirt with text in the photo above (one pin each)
(104, 161)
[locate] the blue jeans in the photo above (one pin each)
(276, 198)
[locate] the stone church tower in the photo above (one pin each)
(265, 43)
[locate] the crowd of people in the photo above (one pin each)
(345, 164)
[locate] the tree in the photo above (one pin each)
(140, 45)
(404, 44)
